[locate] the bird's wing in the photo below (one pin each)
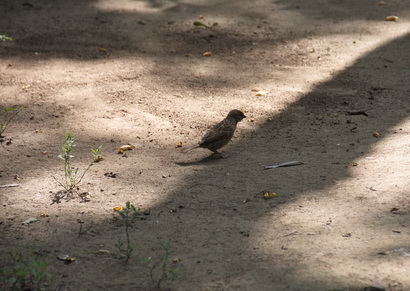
(223, 130)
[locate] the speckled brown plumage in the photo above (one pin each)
(220, 134)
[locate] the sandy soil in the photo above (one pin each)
(127, 71)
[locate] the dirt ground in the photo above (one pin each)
(133, 71)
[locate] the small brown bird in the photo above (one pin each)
(220, 134)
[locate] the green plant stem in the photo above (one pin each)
(129, 247)
(82, 176)
(4, 126)
(164, 263)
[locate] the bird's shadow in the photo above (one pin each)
(206, 160)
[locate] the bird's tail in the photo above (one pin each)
(188, 148)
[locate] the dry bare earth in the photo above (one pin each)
(319, 60)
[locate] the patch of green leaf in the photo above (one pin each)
(160, 269)
(3, 37)
(25, 271)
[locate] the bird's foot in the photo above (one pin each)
(219, 155)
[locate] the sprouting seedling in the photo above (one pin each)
(129, 214)
(72, 178)
(84, 230)
(163, 265)
(25, 272)
(96, 154)
(13, 113)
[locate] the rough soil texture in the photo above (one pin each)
(127, 71)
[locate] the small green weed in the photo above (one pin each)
(72, 178)
(160, 269)
(84, 230)
(96, 155)
(129, 214)
(25, 272)
(6, 116)
(4, 37)
(197, 23)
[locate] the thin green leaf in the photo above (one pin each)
(197, 23)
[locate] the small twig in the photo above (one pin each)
(286, 164)
(206, 184)
(289, 234)
(9, 185)
(357, 112)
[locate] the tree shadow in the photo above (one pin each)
(343, 120)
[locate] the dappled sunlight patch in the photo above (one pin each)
(334, 233)
(355, 223)
(385, 171)
(147, 7)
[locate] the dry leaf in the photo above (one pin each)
(67, 258)
(71, 259)
(261, 93)
(99, 158)
(102, 50)
(391, 18)
(127, 147)
(268, 195)
(86, 196)
(207, 54)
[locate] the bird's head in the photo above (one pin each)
(236, 114)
